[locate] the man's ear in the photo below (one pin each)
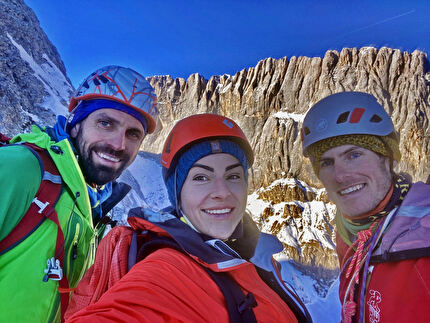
(75, 130)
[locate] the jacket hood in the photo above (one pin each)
(254, 245)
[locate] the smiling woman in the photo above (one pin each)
(215, 265)
(214, 195)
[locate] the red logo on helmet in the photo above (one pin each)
(356, 115)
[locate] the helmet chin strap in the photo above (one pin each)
(182, 214)
(178, 208)
(391, 160)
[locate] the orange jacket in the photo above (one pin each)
(168, 286)
(171, 286)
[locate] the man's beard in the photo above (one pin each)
(98, 174)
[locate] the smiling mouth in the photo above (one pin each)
(351, 189)
(218, 211)
(108, 157)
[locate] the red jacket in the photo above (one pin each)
(167, 286)
(398, 279)
(397, 292)
(171, 286)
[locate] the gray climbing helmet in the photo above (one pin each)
(345, 113)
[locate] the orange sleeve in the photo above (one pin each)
(166, 286)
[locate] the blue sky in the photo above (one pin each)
(212, 37)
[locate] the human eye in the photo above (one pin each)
(354, 154)
(325, 163)
(234, 176)
(200, 178)
(104, 123)
(135, 135)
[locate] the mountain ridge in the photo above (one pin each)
(257, 97)
(268, 101)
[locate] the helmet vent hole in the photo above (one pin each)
(306, 131)
(375, 118)
(343, 117)
(103, 79)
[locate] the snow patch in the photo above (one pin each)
(285, 116)
(314, 213)
(225, 88)
(56, 85)
(327, 309)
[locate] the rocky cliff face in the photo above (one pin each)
(301, 217)
(270, 100)
(33, 82)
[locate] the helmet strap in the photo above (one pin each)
(177, 208)
(391, 157)
(68, 119)
(182, 215)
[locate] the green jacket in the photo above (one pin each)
(24, 297)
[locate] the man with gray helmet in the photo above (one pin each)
(80, 158)
(382, 220)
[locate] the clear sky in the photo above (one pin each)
(215, 37)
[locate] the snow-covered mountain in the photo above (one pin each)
(268, 101)
(50, 89)
(34, 87)
(57, 87)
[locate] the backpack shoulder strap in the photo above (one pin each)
(42, 208)
(406, 236)
(42, 204)
(238, 304)
(4, 140)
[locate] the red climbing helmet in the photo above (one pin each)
(198, 127)
(123, 85)
(345, 113)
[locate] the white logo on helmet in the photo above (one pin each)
(321, 125)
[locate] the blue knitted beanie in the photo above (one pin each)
(193, 154)
(85, 108)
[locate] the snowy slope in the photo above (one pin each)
(148, 190)
(144, 175)
(57, 87)
(314, 211)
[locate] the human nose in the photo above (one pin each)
(341, 172)
(117, 141)
(220, 189)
